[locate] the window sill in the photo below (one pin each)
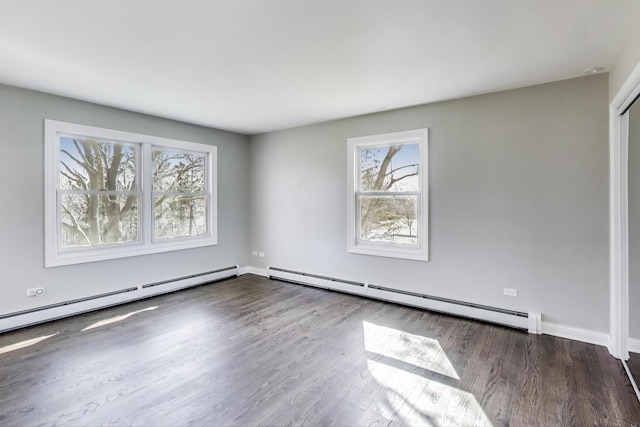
(412, 254)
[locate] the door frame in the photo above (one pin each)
(619, 215)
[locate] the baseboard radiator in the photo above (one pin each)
(516, 319)
(318, 281)
(59, 310)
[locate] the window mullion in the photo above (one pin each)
(388, 193)
(181, 193)
(107, 192)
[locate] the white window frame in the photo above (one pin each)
(420, 251)
(146, 244)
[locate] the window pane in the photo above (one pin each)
(177, 171)
(92, 164)
(95, 219)
(179, 216)
(389, 219)
(389, 168)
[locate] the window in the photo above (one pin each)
(388, 199)
(112, 194)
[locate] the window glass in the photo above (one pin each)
(179, 216)
(91, 164)
(97, 179)
(389, 219)
(390, 168)
(178, 171)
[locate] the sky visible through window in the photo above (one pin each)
(371, 159)
(83, 161)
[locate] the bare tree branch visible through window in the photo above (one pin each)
(387, 218)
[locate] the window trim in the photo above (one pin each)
(419, 252)
(146, 244)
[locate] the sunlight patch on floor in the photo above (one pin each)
(416, 400)
(117, 318)
(23, 344)
(416, 350)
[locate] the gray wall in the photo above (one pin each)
(626, 62)
(518, 198)
(634, 221)
(518, 193)
(22, 115)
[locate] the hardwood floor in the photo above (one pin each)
(251, 351)
(634, 366)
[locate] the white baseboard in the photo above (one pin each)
(319, 282)
(27, 319)
(576, 334)
(547, 328)
(385, 294)
(634, 345)
(24, 319)
(450, 308)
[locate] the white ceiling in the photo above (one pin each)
(252, 66)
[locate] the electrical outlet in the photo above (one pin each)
(510, 292)
(261, 254)
(35, 292)
(254, 253)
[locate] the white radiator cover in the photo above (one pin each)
(71, 308)
(531, 321)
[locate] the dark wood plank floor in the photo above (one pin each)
(251, 351)
(634, 366)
